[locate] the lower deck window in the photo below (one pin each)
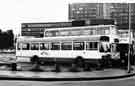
(78, 45)
(66, 46)
(23, 46)
(91, 45)
(55, 46)
(44, 46)
(34, 46)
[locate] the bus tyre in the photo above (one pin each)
(14, 67)
(57, 67)
(106, 61)
(35, 59)
(79, 62)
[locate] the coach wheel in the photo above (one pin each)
(106, 61)
(35, 59)
(14, 66)
(79, 62)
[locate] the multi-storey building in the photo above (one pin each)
(82, 11)
(117, 11)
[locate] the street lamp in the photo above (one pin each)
(129, 33)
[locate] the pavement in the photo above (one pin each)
(109, 73)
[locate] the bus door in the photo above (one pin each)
(104, 46)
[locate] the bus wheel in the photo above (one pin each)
(106, 61)
(14, 67)
(79, 62)
(35, 59)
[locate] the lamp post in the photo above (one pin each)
(129, 33)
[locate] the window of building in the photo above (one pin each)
(77, 12)
(80, 8)
(73, 9)
(25, 46)
(55, 46)
(34, 46)
(44, 46)
(91, 45)
(78, 45)
(66, 46)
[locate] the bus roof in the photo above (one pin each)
(80, 27)
(65, 38)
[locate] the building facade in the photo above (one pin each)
(117, 11)
(82, 11)
(37, 29)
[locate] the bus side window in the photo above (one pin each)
(34, 46)
(25, 46)
(55, 46)
(91, 45)
(78, 45)
(44, 46)
(66, 46)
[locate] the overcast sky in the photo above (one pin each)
(15, 12)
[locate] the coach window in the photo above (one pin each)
(66, 46)
(44, 46)
(55, 46)
(25, 46)
(78, 45)
(91, 45)
(34, 46)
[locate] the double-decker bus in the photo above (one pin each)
(85, 44)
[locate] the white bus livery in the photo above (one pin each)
(89, 44)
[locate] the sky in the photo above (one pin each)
(15, 12)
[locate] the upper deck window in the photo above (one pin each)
(78, 31)
(103, 31)
(64, 33)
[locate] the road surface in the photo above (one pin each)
(118, 82)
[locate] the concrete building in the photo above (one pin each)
(117, 11)
(81, 11)
(37, 29)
